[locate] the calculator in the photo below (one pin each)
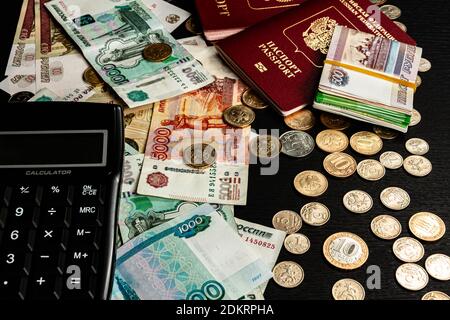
(60, 172)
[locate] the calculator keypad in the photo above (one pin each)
(50, 237)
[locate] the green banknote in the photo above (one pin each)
(138, 214)
(196, 256)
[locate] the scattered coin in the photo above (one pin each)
(435, 295)
(332, 141)
(371, 170)
(366, 143)
(395, 198)
(427, 226)
(412, 276)
(265, 146)
(193, 26)
(386, 227)
(287, 220)
(408, 249)
(199, 155)
(417, 166)
(300, 120)
(438, 266)
(239, 116)
(91, 77)
(310, 183)
(391, 11)
(297, 243)
(417, 146)
(252, 100)
(415, 118)
(425, 65)
(339, 164)
(401, 26)
(345, 250)
(315, 214)
(418, 81)
(358, 201)
(348, 289)
(157, 52)
(288, 274)
(378, 2)
(333, 121)
(391, 160)
(22, 96)
(385, 133)
(296, 143)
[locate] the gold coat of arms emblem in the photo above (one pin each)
(318, 35)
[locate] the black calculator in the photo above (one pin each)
(60, 172)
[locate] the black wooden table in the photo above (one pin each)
(427, 22)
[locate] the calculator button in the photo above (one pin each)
(55, 216)
(15, 236)
(48, 260)
(47, 237)
(26, 194)
(58, 194)
(90, 214)
(85, 237)
(42, 285)
(87, 260)
(80, 286)
(90, 193)
(24, 216)
(12, 261)
(12, 286)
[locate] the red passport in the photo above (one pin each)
(282, 58)
(223, 18)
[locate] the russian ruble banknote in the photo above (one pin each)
(112, 37)
(171, 16)
(137, 124)
(196, 256)
(132, 166)
(129, 150)
(47, 95)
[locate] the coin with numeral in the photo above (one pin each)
(265, 146)
(345, 250)
(348, 289)
(297, 243)
(358, 201)
(315, 214)
(339, 164)
(411, 276)
(395, 198)
(296, 143)
(288, 274)
(287, 220)
(371, 170)
(427, 226)
(438, 266)
(332, 141)
(386, 227)
(391, 160)
(408, 249)
(366, 143)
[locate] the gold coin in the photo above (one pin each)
(386, 227)
(401, 26)
(348, 289)
(427, 226)
(252, 100)
(157, 52)
(378, 2)
(301, 120)
(395, 198)
(366, 143)
(297, 243)
(265, 146)
(418, 81)
(385, 133)
(411, 276)
(345, 250)
(315, 214)
(417, 146)
(287, 220)
(199, 155)
(339, 164)
(425, 65)
(239, 116)
(408, 249)
(91, 77)
(417, 166)
(288, 274)
(333, 121)
(435, 295)
(438, 266)
(332, 141)
(310, 183)
(391, 11)
(391, 160)
(371, 170)
(357, 201)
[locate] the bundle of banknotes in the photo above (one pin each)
(369, 78)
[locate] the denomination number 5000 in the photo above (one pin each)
(160, 146)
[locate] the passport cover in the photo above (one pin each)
(282, 58)
(231, 16)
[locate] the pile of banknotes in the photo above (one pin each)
(369, 78)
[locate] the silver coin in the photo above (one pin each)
(386, 227)
(424, 65)
(348, 289)
(408, 249)
(418, 81)
(391, 11)
(412, 276)
(417, 146)
(296, 143)
(378, 2)
(417, 166)
(288, 274)
(297, 243)
(395, 198)
(415, 118)
(358, 201)
(401, 26)
(315, 214)
(287, 220)
(438, 266)
(391, 160)
(371, 170)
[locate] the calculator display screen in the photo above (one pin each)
(47, 149)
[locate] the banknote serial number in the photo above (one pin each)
(224, 309)
(259, 243)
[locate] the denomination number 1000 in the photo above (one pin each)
(190, 225)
